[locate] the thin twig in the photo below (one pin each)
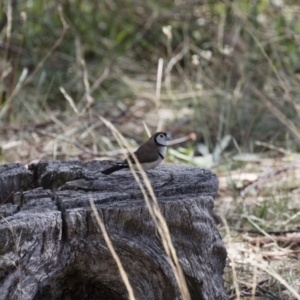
(113, 252)
(156, 214)
(274, 232)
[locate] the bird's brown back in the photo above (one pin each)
(148, 152)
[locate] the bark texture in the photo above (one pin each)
(51, 246)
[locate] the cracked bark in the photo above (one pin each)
(51, 246)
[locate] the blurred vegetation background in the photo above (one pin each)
(224, 75)
(229, 68)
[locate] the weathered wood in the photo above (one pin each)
(13, 178)
(51, 246)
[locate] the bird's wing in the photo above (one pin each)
(144, 155)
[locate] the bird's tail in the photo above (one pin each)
(113, 169)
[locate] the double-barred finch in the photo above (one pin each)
(149, 155)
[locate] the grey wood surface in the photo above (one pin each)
(51, 246)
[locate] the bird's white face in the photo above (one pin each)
(162, 139)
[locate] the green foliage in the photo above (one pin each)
(253, 46)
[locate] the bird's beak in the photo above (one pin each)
(168, 137)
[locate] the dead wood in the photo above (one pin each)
(51, 246)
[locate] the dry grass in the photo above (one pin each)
(258, 199)
(227, 71)
(155, 212)
(262, 229)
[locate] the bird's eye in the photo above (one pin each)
(161, 135)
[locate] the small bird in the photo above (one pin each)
(150, 154)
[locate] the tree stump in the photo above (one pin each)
(51, 246)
